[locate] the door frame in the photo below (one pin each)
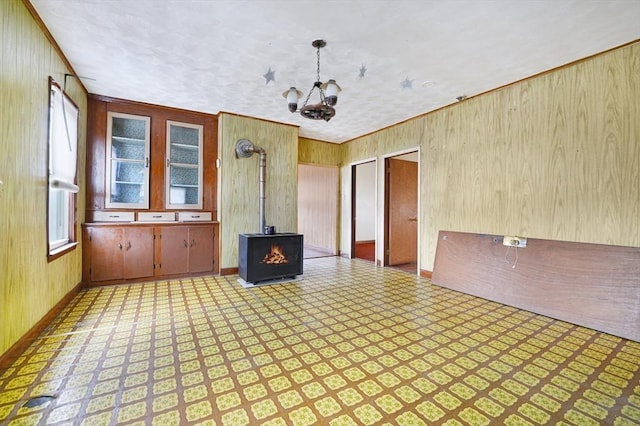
(352, 205)
(385, 208)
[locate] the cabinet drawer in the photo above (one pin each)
(100, 216)
(194, 216)
(156, 216)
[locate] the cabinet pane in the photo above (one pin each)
(184, 176)
(183, 195)
(127, 172)
(129, 127)
(127, 183)
(184, 165)
(185, 144)
(130, 149)
(184, 154)
(127, 160)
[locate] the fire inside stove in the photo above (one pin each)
(275, 257)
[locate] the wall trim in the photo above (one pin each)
(495, 89)
(426, 274)
(228, 271)
(30, 336)
(53, 42)
(235, 114)
(154, 107)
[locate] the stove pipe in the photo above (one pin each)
(244, 149)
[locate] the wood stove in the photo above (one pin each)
(264, 257)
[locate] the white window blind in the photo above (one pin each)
(63, 149)
(63, 160)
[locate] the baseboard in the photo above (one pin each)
(228, 271)
(426, 274)
(23, 343)
(327, 249)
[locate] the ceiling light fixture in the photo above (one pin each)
(328, 95)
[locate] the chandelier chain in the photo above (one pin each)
(318, 61)
(318, 83)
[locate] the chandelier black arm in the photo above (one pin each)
(317, 84)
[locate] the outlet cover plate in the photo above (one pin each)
(513, 241)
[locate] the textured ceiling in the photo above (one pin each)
(394, 59)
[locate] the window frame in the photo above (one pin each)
(68, 204)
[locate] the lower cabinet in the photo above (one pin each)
(116, 253)
(120, 253)
(185, 249)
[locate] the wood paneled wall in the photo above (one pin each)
(30, 286)
(556, 157)
(311, 151)
(238, 181)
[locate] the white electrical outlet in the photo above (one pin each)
(513, 241)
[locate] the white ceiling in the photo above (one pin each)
(419, 55)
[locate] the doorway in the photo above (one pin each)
(318, 209)
(363, 211)
(401, 212)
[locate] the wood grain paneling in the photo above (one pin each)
(311, 151)
(238, 181)
(30, 287)
(556, 157)
(593, 285)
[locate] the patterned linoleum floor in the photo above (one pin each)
(349, 344)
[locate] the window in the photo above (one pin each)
(63, 155)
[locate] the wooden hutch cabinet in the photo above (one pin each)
(151, 192)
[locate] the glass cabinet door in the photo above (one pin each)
(127, 168)
(184, 166)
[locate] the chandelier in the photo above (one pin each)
(328, 95)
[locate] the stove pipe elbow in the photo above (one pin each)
(244, 149)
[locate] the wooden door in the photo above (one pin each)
(138, 252)
(107, 253)
(402, 186)
(174, 250)
(201, 248)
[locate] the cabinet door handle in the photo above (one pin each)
(168, 161)
(128, 245)
(146, 162)
(120, 246)
(193, 243)
(185, 243)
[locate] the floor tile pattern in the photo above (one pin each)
(348, 344)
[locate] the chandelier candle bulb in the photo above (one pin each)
(292, 96)
(331, 89)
